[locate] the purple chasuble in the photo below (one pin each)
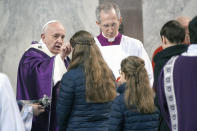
(104, 41)
(185, 88)
(33, 81)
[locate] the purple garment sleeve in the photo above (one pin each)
(34, 75)
(34, 80)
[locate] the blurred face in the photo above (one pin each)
(54, 37)
(184, 21)
(109, 24)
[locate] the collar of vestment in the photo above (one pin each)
(42, 47)
(104, 41)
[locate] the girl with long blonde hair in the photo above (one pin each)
(87, 89)
(134, 108)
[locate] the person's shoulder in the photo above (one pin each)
(73, 76)
(119, 99)
(121, 88)
(157, 50)
(96, 41)
(131, 41)
(158, 55)
(4, 80)
(32, 49)
(95, 38)
(119, 102)
(36, 47)
(35, 50)
(74, 73)
(3, 76)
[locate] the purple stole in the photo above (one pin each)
(104, 41)
(170, 93)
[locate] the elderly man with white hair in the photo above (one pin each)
(40, 70)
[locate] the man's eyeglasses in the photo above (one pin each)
(107, 26)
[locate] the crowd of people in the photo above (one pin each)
(108, 84)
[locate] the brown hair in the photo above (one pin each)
(173, 31)
(138, 91)
(100, 82)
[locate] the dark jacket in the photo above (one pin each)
(163, 56)
(160, 60)
(73, 112)
(124, 119)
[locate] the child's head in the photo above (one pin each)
(138, 91)
(133, 67)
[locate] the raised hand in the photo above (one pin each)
(65, 50)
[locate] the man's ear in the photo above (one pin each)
(163, 39)
(43, 36)
(165, 42)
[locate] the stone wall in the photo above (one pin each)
(22, 21)
(157, 12)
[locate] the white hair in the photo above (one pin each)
(46, 25)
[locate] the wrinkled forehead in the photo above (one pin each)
(108, 17)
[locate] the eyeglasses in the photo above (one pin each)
(107, 26)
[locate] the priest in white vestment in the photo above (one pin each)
(115, 46)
